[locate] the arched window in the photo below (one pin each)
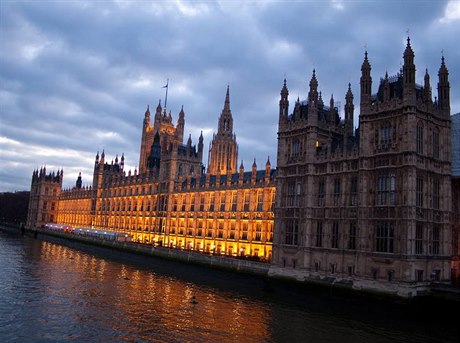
(435, 143)
(386, 134)
(295, 149)
(420, 139)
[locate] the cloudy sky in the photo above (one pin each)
(77, 76)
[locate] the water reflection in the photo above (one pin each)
(54, 292)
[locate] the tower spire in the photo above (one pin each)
(444, 88)
(366, 81)
(284, 102)
(223, 151)
(227, 99)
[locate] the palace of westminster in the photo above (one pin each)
(371, 207)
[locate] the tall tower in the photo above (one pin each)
(146, 140)
(444, 90)
(44, 197)
(223, 150)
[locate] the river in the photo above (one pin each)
(54, 292)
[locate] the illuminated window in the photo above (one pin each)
(234, 201)
(222, 202)
(260, 198)
(202, 202)
(175, 204)
(211, 201)
(246, 201)
(192, 202)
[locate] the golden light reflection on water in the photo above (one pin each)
(149, 306)
(51, 292)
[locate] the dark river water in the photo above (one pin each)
(52, 293)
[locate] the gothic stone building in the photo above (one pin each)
(368, 207)
(171, 201)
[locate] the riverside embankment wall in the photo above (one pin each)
(213, 261)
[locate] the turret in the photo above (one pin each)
(200, 147)
(241, 173)
(154, 159)
(386, 88)
(427, 88)
(223, 150)
(349, 112)
(444, 89)
(331, 110)
(408, 74)
(147, 118)
(268, 167)
(158, 113)
(226, 119)
(313, 92)
(366, 82)
(98, 171)
(284, 103)
(313, 101)
(254, 172)
(78, 182)
(180, 125)
(320, 103)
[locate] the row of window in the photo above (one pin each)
(291, 235)
(385, 192)
(383, 241)
(260, 201)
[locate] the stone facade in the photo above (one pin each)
(456, 145)
(223, 150)
(45, 191)
(171, 201)
(369, 207)
(456, 230)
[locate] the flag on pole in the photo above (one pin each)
(166, 97)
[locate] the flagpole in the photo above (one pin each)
(166, 97)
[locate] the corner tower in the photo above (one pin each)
(223, 150)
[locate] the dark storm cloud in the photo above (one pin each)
(76, 77)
